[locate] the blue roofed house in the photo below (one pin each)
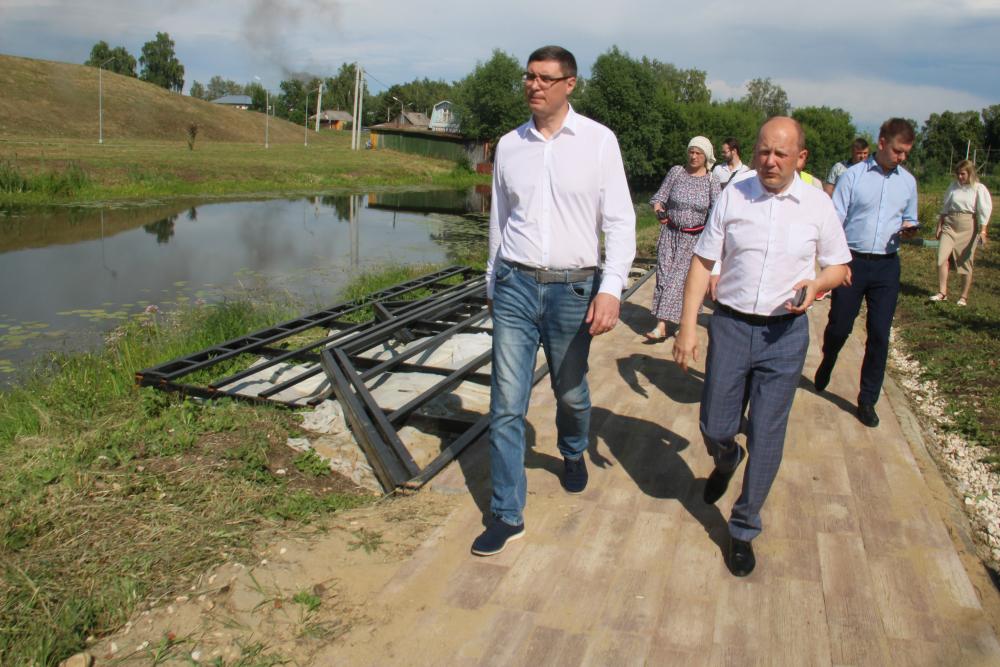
(234, 101)
(443, 118)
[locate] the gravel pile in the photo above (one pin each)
(960, 461)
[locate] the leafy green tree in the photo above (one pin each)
(621, 94)
(219, 87)
(197, 90)
(766, 98)
(490, 101)
(339, 91)
(160, 65)
(829, 133)
(290, 104)
(945, 138)
(991, 127)
(121, 61)
(258, 96)
(717, 121)
(686, 86)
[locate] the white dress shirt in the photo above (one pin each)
(553, 197)
(973, 198)
(724, 173)
(767, 243)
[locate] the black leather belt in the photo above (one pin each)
(871, 255)
(555, 275)
(758, 320)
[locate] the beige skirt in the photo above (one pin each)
(958, 241)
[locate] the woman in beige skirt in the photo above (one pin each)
(965, 214)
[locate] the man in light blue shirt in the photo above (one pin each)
(877, 202)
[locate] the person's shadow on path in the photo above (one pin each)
(650, 454)
(666, 376)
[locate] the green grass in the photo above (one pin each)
(958, 348)
(74, 171)
(110, 494)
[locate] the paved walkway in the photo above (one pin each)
(863, 559)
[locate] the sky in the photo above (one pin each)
(873, 58)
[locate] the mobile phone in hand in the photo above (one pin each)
(799, 298)
(661, 215)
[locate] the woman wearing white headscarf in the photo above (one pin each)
(682, 204)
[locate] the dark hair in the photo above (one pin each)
(733, 144)
(897, 127)
(860, 144)
(567, 63)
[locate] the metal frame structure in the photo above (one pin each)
(422, 324)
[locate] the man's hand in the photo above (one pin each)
(685, 347)
(713, 286)
(908, 231)
(602, 315)
(810, 288)
(847, 278)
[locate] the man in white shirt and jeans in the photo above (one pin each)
(768, 232)
(558, 184)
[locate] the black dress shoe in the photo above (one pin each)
(741, 560)
(718, 482)
(866, 413)
(822, 378)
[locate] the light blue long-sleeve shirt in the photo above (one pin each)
(874, 205)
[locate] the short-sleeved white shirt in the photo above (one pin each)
(768, 242)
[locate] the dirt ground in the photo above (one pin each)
(305, 591)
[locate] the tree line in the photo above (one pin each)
(654, 107)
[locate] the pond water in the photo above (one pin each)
(70, 275)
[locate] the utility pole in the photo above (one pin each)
(100, 100)
(319, 105)
(354, 113)
(361, 103)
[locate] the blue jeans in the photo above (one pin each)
(525, 314)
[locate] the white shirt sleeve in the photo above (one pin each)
(984, 205)
(499, 215)
(617, 220)
(710, 242)
(831, 247)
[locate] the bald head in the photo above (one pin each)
(780, 147)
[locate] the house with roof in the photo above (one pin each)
(234, 101)
(412, 120)
(332, 119)
(443, 118)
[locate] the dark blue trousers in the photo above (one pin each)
(874, 279)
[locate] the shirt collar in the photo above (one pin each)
(873, 165)
(794, 190)
(570, 123)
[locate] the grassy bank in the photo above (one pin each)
(957, 347)
(74, 171)
(112, 496)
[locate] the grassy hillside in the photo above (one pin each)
(48, 99)
(49, 151)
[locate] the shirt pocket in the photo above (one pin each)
(800, 241)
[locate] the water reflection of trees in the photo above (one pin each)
(163, 228)
(341, 204)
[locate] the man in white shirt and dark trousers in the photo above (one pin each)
(768, 232)
(558, 184)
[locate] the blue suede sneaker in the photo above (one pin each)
(574, 477)
(495, 538)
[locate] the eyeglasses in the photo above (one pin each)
(544, 80)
